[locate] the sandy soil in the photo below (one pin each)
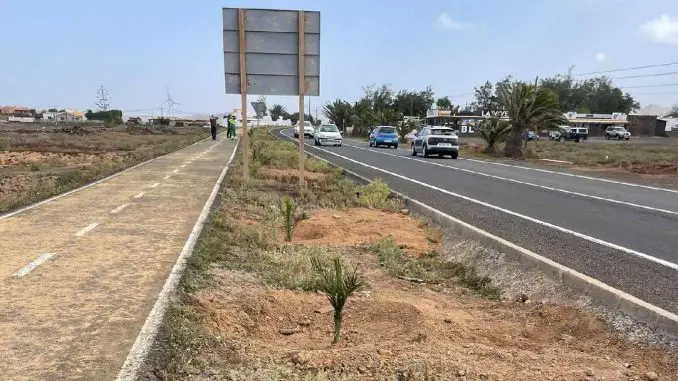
(397, 329)
(357, 226)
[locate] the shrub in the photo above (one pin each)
(374, 195)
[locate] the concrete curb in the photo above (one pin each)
(658, 319)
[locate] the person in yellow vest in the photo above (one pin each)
(231, 127)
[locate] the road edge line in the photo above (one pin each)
(116, 174)
(146, 337)
(658, 319)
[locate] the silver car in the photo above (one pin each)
(442, 141)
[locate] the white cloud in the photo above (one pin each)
(662, 29)
(601, 57)
(446, 22)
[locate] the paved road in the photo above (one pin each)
(106, 252)
(625, 235)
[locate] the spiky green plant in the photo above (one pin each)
(337, 283)
(288, 209)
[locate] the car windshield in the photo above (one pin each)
(329, 128)
(387, 130)
(442, 131)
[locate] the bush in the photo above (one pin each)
(375, 195)
(4, 145)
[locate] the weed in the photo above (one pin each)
(288, 208)
(35, 167)
(431, 268)
(4, 144)
(338, 284)
(375, 195)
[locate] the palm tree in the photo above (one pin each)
(277, 111)
(338, 112)
(528, 107)
(494, 131)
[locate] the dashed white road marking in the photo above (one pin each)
(175, 171)
(155, 185)
(140, 195)
(119, 209)
(87, 229)
(627, 250)
(34, 265)
(166, 177)
(521, 182)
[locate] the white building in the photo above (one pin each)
(64, 116)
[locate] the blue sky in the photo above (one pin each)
(57, 53)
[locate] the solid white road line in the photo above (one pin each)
(142, 345)
(155, 185)
(510, 212)
(560, 173)
(33, 265)
(166, 177)
(119, 209)
(520, 182)
(140, 195)
(87, 229)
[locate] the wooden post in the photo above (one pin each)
(243, 95)
(302, 91)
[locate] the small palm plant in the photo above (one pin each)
(494, 131)
(288, 208)
(338, 284)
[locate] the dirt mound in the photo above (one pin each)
(74, 130)
(391, 331)
(358, 226)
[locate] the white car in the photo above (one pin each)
(308, 130)
(617, 132)
(327, 134)
(433, 140)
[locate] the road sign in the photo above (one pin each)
(271, 51)
(259, 108)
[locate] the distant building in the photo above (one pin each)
(64, 116)
(14, 110)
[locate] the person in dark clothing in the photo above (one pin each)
(213, 127)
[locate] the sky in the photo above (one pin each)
(58, 53)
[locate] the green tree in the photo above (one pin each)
(673, 113)
(593, 95)
(338, 112)
(444, 103)
(277, 111)
(528, 107)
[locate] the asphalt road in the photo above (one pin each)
(625, 235)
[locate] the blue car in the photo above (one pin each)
(384, 136)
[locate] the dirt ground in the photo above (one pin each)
(358, 226)
(38, 163)
(398, 329)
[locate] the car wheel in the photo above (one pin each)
(455, 155)
(424, 150)
(414, 151)
(628, 138)
(395, 146)
(607, 136)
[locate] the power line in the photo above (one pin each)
(628, 68)
(647, 75)
(640, 87)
